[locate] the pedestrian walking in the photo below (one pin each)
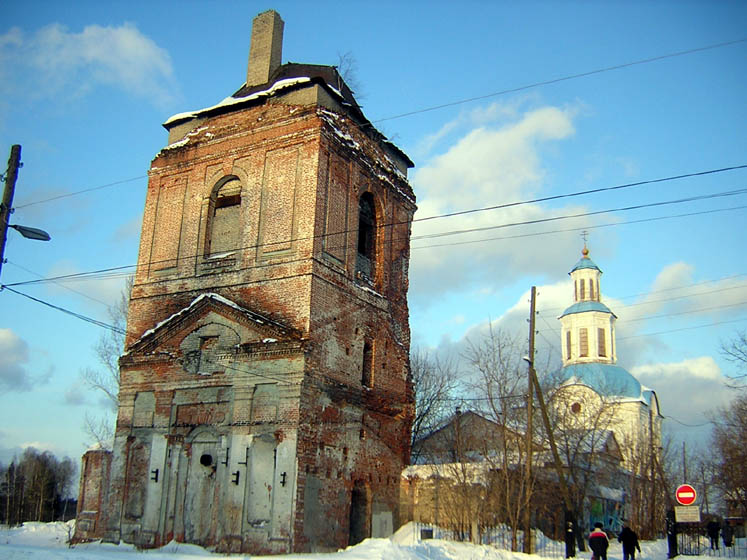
(598, 542)
(727, 533)
(629, 539)
(713, 528)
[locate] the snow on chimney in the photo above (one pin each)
(266, 49)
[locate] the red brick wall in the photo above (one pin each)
(302, 177)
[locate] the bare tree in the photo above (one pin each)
(104, 380)
(347, 67)
(729, 447)
(434, 381)
(501, 382)
(735, 351)
(36, 487)
(581, 420)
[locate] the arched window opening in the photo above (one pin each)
(582, 290)
(365, 260)
(567, 345)
(223, 234)
(601, 343)
(591, 288)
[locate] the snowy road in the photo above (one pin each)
(47, 541)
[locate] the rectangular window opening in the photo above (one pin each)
(583, 341)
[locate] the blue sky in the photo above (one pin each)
(85, 86)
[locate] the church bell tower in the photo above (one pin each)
(265, 399)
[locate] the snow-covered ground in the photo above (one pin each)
(49, 541)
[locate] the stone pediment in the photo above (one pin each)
(215, 324)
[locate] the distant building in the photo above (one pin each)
(589, 351)
(597, 396)
(606, 425)
(265, 401)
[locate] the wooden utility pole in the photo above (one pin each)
(652, 460)
(530, 431)
(10, 187)
(548, 427)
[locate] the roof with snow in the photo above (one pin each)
(291, 77)
(150, 337)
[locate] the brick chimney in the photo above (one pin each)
(266, 49)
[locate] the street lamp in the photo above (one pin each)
(6, 206)
(31, 232)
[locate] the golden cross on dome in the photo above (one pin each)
(585, 237)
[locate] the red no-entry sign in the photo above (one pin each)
(685, 494)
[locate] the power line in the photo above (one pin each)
(579, 228)
(684, 328)
(450, 104)
(674, 298)
(583, 214)
(452, 232)
(68, 312)
(561, 79)
(83, 191)
(583, 193)
(61, 285)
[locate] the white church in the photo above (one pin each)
(596, 397)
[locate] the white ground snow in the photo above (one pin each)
(45, 541)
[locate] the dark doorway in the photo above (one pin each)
(358, 514)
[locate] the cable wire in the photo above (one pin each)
(561, 79)
(454, 232)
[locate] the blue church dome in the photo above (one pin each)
(609, 380)
(585, 262)
(583, 306)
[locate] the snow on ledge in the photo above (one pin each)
(229, 101)
(256, 317)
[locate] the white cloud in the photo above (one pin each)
(492, 164)
(689, 391)
(14, 355)
(74, 396)
(56, 62)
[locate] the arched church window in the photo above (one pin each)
(365, 259)
(223, 234)
(583, 342)
(582, 290)
(568, 345)
(591, 288)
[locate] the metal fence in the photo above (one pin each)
(500, 537)
(700, 545)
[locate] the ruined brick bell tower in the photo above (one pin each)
(265, 401)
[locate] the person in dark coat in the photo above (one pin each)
(629, 540)
(570, 540)
(727, 533)
(713, 528)
(598, 542)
